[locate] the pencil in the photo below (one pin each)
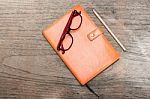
(109, 30)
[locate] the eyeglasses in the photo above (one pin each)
(74, 22)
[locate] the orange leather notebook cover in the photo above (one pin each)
(90, 53)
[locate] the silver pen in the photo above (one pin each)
(109, 30)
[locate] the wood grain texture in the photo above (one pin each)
(30, 69)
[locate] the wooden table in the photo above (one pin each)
(30, 69)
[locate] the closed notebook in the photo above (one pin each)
(90, 52)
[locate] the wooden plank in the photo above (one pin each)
(30, 69)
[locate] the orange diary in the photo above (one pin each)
(90, 52)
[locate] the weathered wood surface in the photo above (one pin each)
(30, 69)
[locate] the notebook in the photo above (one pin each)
(90, 53)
